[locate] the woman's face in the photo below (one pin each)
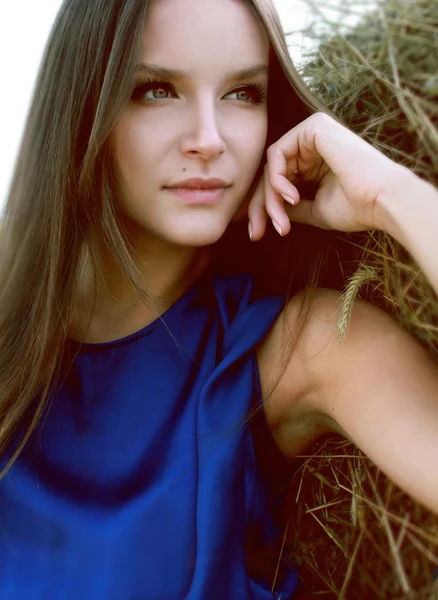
(198, 114)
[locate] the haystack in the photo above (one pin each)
(353, 532)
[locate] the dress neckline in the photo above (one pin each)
(176, 308)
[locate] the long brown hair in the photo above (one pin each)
(62, 198)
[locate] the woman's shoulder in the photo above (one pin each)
(303, 326)
(312, 382)
(291, 360)
(303, 345)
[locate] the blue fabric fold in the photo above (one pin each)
(141, 481)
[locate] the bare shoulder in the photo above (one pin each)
(321, 385)
(295, 345)
(294, 360)
(378, 387)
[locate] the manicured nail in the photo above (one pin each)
(277, 227)
(250, 231)
(288, 199)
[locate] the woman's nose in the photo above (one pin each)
(203, 139)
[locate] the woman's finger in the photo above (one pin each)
(274, 204)
(278, 168)
(257, 217)
(307, 212)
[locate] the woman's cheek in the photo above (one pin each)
(252, 130)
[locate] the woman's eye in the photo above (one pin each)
(157, 93)
(241, 95)
(253, 94)
(153, 91)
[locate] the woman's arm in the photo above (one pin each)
(378, 387)
(408, 210)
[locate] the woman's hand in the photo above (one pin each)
(352, 177)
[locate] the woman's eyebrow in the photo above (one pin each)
(163, 72)
(248, 73)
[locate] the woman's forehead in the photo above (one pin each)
(200, 32)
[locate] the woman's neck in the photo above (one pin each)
(109, 308)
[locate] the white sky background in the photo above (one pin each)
(24, 29)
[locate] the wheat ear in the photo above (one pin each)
(346, 301)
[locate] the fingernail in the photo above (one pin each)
(250, 231)
(288, 199)
(277, 227)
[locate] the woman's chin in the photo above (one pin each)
(198, 232)
(193, 233)
(199, 237)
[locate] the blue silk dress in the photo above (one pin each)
(141, 481)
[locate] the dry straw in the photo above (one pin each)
(355, 534)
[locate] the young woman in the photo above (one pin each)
(129, 363)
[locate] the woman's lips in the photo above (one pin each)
(192, 195)
(198, 190)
